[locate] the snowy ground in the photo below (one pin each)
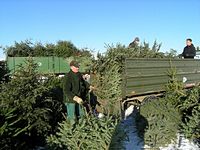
(136, 143)
(183, 144)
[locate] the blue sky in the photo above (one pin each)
(92, 23)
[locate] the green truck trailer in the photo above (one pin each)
(46, 65)
(147, 77)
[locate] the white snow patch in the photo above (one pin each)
(134, 142)
(129, 111)
(61, 75)
(182, 144)
(100, 115)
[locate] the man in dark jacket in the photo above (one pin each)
(134, 43)
(75, 89)
(189, 51)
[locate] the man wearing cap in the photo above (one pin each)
(75, 91)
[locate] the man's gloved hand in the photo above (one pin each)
(78, 99)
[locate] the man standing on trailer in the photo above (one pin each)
(75, 89)
(134, 43)
(189, 51)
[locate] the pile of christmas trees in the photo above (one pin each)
(159, 120)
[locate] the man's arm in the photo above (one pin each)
(194, 51)
(87, 85)
(67, 86)
(184, 51)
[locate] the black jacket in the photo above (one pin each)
(189, 52)
(74, 85)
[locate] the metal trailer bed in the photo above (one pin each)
(147, 77)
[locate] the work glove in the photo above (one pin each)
(78, 99)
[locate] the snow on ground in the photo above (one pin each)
(182, 144)
(136, 143)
